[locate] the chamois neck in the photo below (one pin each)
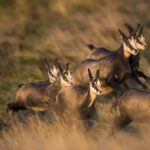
(58, 83)
(126, 51)
(126, 54)
(122, 51)
(89, 100)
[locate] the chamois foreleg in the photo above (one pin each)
(135, 77)
(114, 83)
(141, 74)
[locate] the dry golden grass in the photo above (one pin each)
(46, 136)
(31, 31)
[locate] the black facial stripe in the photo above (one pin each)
(130, 46)
(139, 42)
(65, 78)
(95, 87)
(52, 75)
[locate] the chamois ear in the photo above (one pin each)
(129, 28)
(97, 74)
(90, 75)
(123, 36)
(60, 68)
(90, 46)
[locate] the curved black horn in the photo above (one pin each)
(138, 26)
(136, 30)
(97, 74)
(67, 66)
(131, 30)
(60, 68)
(141, 31)
(90, 75)
(123, 36)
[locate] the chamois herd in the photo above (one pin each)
(102, 72)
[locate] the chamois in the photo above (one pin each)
(52, 71)
(133, 105)
(98, 53)
(38, 97)
(81, 101)
(115, 68)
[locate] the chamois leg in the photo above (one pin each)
(126, 87)
(124, 122)
(135, 77)
(141, 74)
(120, 122)
(37, 119)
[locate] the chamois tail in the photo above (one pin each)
(20, 85)
(91, 47)
(15, 106)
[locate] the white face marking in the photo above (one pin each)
(142, 44)
(69, 78)
(54, 71)
(132, 42)
(51, 78)
(53, 74)
(64, 82)
(98, 84)
(94, 92)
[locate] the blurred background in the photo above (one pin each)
(31, 30)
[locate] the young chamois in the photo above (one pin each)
(52, 71)
(133, 105)
(115, 68)
(39, 97)
(79, 101)
(98, 53)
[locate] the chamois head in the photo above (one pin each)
(52, 70)
(95, 83)
(138, 34)
(66, 78)
(129, 44)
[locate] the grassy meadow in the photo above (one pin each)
(32, 30)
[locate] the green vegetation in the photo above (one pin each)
(31, 30)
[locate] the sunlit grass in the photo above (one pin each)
(31, 31)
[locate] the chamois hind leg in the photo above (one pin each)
(120, 122)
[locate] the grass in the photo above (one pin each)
(33, 30)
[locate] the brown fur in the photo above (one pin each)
(75, 100)
(35, 97)
(133, 105)
(98, 53)
(114, 69)
(80, 101)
